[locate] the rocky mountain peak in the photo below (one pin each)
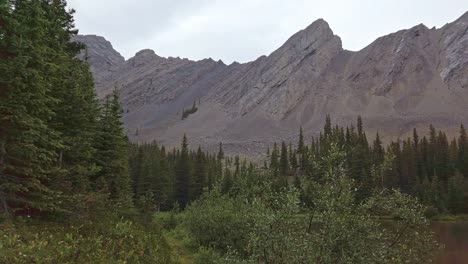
(463, 18)
(145, 53)
(316, 34)
(100, 50)
(413, 77)
(144, 57)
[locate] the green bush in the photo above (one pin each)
(207, 256)
(121, 242)
(220, 222)
(167, 220)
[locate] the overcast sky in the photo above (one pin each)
(242, 30)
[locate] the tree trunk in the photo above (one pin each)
(2, 150)
(4, 205)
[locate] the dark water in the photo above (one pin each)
(455, 238)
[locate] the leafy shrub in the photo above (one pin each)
(121, 242)
(167, 220)
(207, 256)
(261, 224)
(220, 222)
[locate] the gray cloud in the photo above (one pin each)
(242, 30)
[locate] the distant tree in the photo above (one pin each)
(220, 151)
(301, 150)
(284, 162)
(378, 152)
(183, 177)
(274, 165)
(463, 152)
(292, 158)
(199, 175)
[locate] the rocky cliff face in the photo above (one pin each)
(407, 79)
(103, 59)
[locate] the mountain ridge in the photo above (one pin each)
(412, 77)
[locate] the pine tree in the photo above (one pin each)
(199, 175)
(408, 176)
(284, 163)
(112, 152)
(360, 126)
(328, 127)
(166, 181)
(463, 152)
(274, 165)
(378, 152)
(76, 107)
(227, 183)
(301, 150)
(183, 177)
(28, 147)
(292, 158)
(236, 166)
(220, 151)
(442, 158)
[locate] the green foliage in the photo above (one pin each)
(208, 256)
(424, 167)
(28, 154)
(118, 241)
(112, 153)
(176, 176)
(259, 223)
(183, 176)
(220, 221)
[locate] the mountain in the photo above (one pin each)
(411, 78)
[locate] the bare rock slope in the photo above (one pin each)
(407, 79)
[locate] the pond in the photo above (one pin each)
(455, 238)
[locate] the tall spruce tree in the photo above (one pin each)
(28, 146)
(112, 152)
(463, 152)
(284, 162)
(274, 165)
(378, 152)
(199, 175)
(183, 177)
(301, 150)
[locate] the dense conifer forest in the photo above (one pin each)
(73, 189)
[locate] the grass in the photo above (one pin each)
(184, 256)
(450, 218)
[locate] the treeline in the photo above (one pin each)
(169, 179)
(432, 168)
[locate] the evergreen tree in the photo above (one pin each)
(378, 152)
(28, 146)
(199, 175)
(284, 163)
(328, 127)
(292, 158)
(463, 152)
(274, 165)
(112, 152)
(220, 152)
(301, 150)
(236, 166)
(183, 177)
(227, 182)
